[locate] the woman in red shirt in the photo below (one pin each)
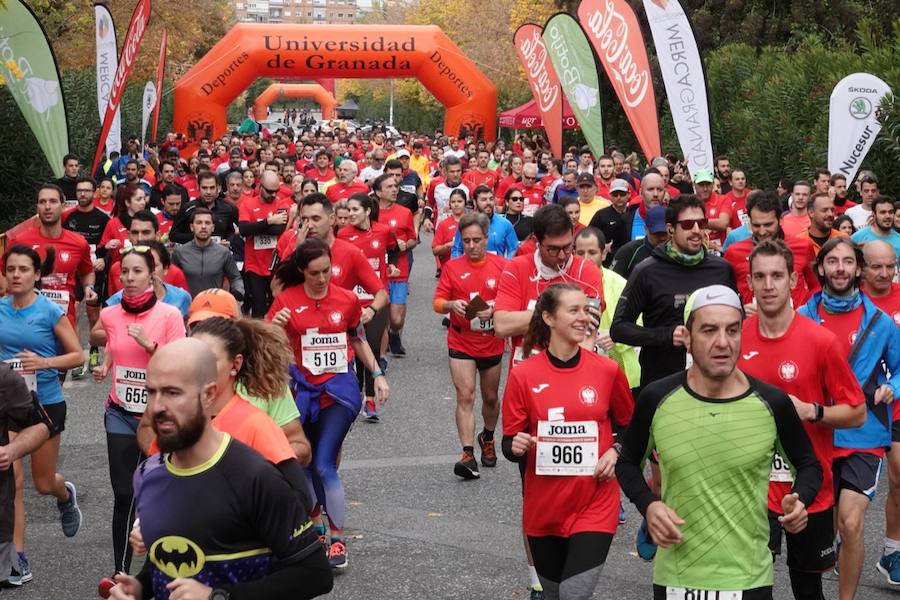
(129, 199)
(558, 411)
(322, 322)
(104, 197)
(442, 243)
(374, 239)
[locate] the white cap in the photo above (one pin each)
(712, 295)
(401, 153)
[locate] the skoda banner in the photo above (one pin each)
(107, 61)
(682, 73)
(852, 122)
(28, 70)
(147, 105)
(576, 67)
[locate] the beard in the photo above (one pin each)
(185, 435)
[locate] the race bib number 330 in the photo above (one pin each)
(567, 448)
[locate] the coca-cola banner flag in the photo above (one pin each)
(544, 82)
(852, 121)
(140, 19)
(576, 67)
(682, 72)
(613, 31)
(160, 72)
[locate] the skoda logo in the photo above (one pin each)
(860, 108)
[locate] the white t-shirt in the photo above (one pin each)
(860, 216)
(370, 173)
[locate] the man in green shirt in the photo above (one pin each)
(715, 431)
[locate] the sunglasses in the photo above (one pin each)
(138, 249)
(688, 224)
(516, 198)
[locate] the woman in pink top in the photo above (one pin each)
(135, 328)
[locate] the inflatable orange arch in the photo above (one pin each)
(277, 91)
(289, 51)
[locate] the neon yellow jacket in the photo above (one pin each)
(625, 355)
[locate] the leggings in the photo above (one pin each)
(259, 293)
(570, 567)
(374, 333)
(124, 457)
(326, 437)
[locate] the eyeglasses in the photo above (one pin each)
(557, 250)
(529, 178)
(91, 191)
(688, 224)
(138, 249)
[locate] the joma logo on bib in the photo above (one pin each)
(567, 430)
(324, 340)
(134, 375)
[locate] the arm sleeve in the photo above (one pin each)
(306, 576)
(839, 381)
(797, 448)
(625, 329)
(85, 265)
(636, 444)
(181, 228)
(457, 249)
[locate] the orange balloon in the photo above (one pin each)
(276, 91)
(287, 51)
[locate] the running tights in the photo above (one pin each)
(124, 457)
(570, 567)
(806, 586)
(374, 333)
(326, 437)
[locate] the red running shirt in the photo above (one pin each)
(73, 255)
(444, 233)
(805, 362)
(462, 279)
(337, 312)
(594, 390)
(474, 178)
(341, 191)
(738, 255)
(889, 303)
(399, 221)
(259, 249)
(520, 286)
(351, 270)
(374, 243)
(715, 206)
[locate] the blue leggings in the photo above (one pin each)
(326, 436)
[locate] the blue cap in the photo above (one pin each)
(656, 219)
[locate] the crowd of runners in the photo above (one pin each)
(720, 356)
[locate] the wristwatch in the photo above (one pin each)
(219, 594)
(820, 413)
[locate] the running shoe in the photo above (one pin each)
(488, 453)
(437, 273)
(383, 364)
(536, 594)
(371, 411)
(646, 549)
(78, 372)
(889, 566)
(337, 554)
(21, 573)
(396, 345)
(69, 513)
(93, 358)
(467, 467)
(621, 513)
(445, 323)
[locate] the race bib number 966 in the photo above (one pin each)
(568, 448)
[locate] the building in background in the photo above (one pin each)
(332, 12)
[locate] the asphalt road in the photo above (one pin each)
(415, 530)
